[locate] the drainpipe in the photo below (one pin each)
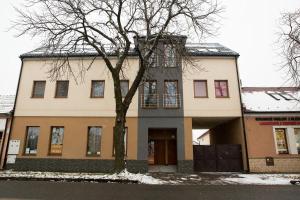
(13, 113)
(243, 118)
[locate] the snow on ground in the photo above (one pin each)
(262, 179)
(125, 175)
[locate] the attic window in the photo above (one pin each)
(274, 95)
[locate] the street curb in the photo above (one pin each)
(122, 181)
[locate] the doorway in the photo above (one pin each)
(162, 147)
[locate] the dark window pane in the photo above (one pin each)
(62, 88)
(150, 97)
(171, 97)
(38, 89)
(200, 88)
(57, 136)
(94, 141)
(97, 88)
(32, 140)
(169, 56)
(124, 87)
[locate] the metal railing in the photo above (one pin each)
(172, 100)
(150, 100)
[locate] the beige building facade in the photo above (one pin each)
(66, 124)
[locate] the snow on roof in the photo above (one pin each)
(6, 103)
(194, 49)
(271, 99)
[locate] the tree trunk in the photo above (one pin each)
(119, 151)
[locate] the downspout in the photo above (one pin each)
(13, 112)
(243, 118)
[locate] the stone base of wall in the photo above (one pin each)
(73, 165)
(281, 165)
(185, 166)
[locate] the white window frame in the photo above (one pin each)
(290, 139)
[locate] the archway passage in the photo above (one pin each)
(162, 147)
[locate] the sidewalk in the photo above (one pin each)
(156, 178)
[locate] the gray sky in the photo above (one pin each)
(248, 27)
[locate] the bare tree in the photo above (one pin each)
(113, 27)
(290, 42)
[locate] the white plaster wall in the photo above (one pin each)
(78, 102)
(210, 69)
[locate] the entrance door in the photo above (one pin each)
(162, 148)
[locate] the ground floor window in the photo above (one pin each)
(297, 139)
(94, 141)
(281, 142)
(57, 135)
(32, 140)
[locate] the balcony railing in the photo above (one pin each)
(150, 100)
(172, 100)
(168, 101)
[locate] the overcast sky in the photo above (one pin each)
(248, 27)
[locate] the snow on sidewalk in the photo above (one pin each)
(125, 175)
(262, 179)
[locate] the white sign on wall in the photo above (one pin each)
(13, 147)
(11, 159)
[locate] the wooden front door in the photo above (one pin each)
(165, 147)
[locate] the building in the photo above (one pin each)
(62, 125)
(272, 121)
(204, 139)
(6, 107)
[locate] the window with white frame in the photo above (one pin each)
(287, 139)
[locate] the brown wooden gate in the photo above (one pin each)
(218, 158)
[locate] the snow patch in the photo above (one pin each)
(124, 175)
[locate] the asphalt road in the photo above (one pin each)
(12, 190)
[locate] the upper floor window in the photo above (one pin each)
(124, 87)
(171, 96)
(169, 56)
(94, 141)
(62, 88)
(56, 140)
(97, 90)
(150, 96)
(281, 142)
(221, 88)
(38, 89)
(200, 88)
(297, 139)
(32, 140)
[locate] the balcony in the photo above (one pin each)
(168, 101)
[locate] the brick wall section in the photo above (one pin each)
(289, 165)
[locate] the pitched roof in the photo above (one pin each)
(271, 99)
(196, 49)
(6, 103)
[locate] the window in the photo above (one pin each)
(57, 136)
(97, 90)
(124, 87)
(152, 58)
(38, 89)
(200, 88)
(32, 140)
(221, 88)
(125, 142)
(169, 56)
(1, 134)
(171, 97)
(62, 88)
(281, 142)
(150, 96)
(94, 141)
(297, 139)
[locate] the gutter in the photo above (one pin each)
(243, 118)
